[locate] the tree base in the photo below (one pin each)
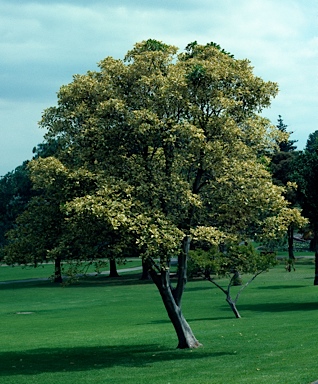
(193, 345)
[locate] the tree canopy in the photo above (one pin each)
(156, 149)
(312, 142)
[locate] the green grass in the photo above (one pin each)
(297, 254)
(103, 330)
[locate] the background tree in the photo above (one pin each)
(312, 142)
(40, 226)
(171, 145)
(282, 168)
(16, 189)
(45, 231)
(285, 144)
(230, 261)
(36, 233)
(306, 176)
(15, 192)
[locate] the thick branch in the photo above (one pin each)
(153, 270)
(197, 181)
(226, 292)
(182, 270)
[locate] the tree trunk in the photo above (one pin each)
(232, 304)
(186, 338)
(57, 271)
(237, 279)
(145, 271)
(171, 298)
(182, 270)
(290, 234)
(316, 269)
(316, 258)
(112, 268)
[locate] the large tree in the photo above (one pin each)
(173, 145)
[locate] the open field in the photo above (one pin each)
(103, 330)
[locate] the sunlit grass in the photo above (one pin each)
(103, 330)
(296, 254)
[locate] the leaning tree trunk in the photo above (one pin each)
(58, 270)
(227, 292)
(171, 297)
(232, 304)
(186, 338)
(113, 268)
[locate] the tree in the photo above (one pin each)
(15, 192)
(39, 228)
(38, 234)
(306, 176)
(232, 261)
(282, 168)
(312, 142)
(16, 189)
(171, 145)
(26, 243)
(285, 144)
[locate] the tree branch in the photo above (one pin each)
(246, 284)
(182, 270)
(217, 285)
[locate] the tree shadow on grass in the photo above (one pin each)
(279, 307)
(198, 288)
(282, 286)
(87, 282)
(38, 283)
(32, 362)
(192, 320)
(215, 318)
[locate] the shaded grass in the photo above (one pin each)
(8, 273)
(297, 254)
(116, 331)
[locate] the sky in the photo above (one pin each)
(43, 43)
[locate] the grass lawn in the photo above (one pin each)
(8, 273)
(103, 330)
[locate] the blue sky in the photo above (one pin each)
(43, 43)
